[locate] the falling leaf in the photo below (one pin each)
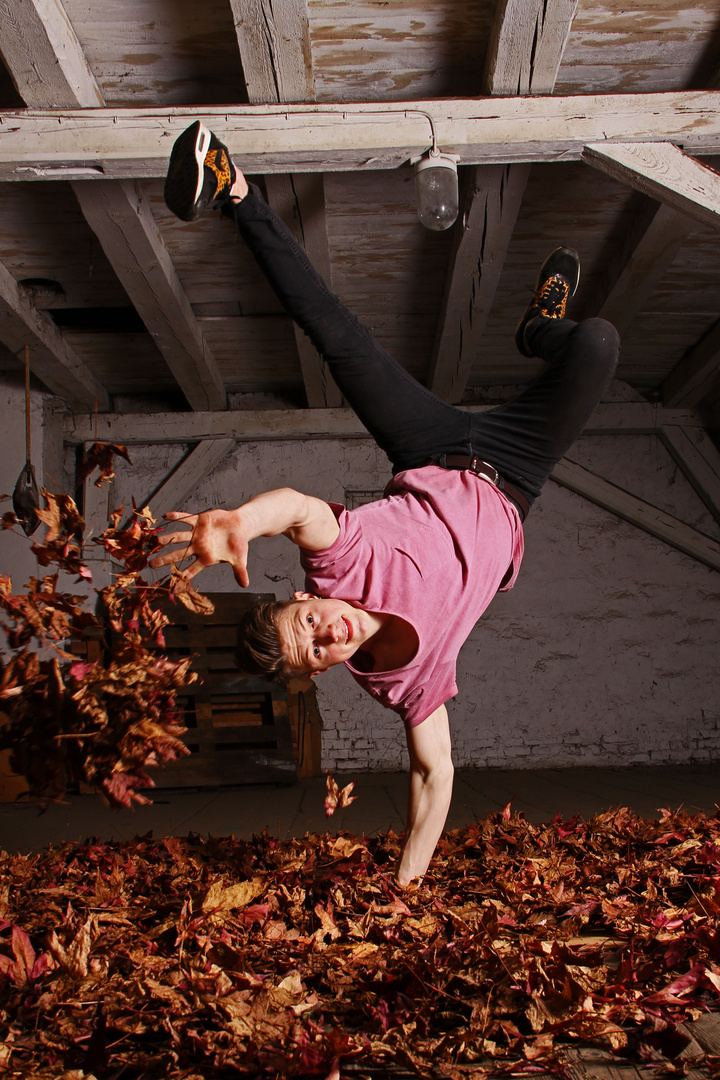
(337, 799)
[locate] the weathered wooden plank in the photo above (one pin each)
(493, 202)
(274, 42)
(117, 213)
(699, 459)
(300, 202)
(325, 138)
(693, 377)
(524, 54)
(51, 358)
(647, 254)
(189, 474)
(638, 512)
(526, 46)
(43, 55)
(123, 222)
(664, 172)
(617, 418)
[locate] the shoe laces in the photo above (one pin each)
(552, 297)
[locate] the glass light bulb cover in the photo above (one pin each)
(436, 191)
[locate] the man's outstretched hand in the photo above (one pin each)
(216, 536)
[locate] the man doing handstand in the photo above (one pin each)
(394, 588)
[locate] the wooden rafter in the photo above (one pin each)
(53, 144)
(54, 362)
(299, 199)
(524, 55)
(124, 224)
(698, 457)
(48, 66)
(43, 55)
(638, 512)
(657, 234)
(526, 45)
(664, 172)
(274, 43)
(616, 418)
(696, 373)
(189, 474)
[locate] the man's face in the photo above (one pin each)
(315, 634)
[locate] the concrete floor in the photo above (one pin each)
(380, 804)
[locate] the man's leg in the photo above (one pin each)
(407, 421)
(527, 437)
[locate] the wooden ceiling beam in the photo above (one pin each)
(124, 224)
(43, 55)
(616, 418)
(656, 235)
(136, 143)
(49, 68)
(274, 42)
(638, 512)
(51, 357)
(698, 457)
(664, 172)
(189, 474)
(527, 42)
(299, 199)
(694, 376)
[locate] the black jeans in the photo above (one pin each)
(523, 440)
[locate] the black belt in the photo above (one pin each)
(488, 472)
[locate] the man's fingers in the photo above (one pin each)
(173, 538)
(170, 557)
(241, 576)
(177, 515)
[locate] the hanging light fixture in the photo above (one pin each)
(436, 186)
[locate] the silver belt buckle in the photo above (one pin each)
(479, 467)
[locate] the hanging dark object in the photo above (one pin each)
(26, 497)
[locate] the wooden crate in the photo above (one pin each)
(238, 727)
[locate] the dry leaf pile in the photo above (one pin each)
(102, 722)
(221, 958)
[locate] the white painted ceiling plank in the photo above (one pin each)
(638, 512)
(136, 143)
(124, 224)
(693, 378)
(631, 280)
(274, 42)
(664, 172)
(116, 212)
(699, 459)
(189, 474)
(51, 358)
(616, 418)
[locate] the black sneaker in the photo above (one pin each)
(200, 173)
(556, 283)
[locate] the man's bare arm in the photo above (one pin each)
(430, 791)
(224, 535)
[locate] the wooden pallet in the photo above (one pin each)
(238, 727)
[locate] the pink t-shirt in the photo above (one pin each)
(434, 552)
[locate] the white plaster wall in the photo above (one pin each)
(605, 652)
(16, 558)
